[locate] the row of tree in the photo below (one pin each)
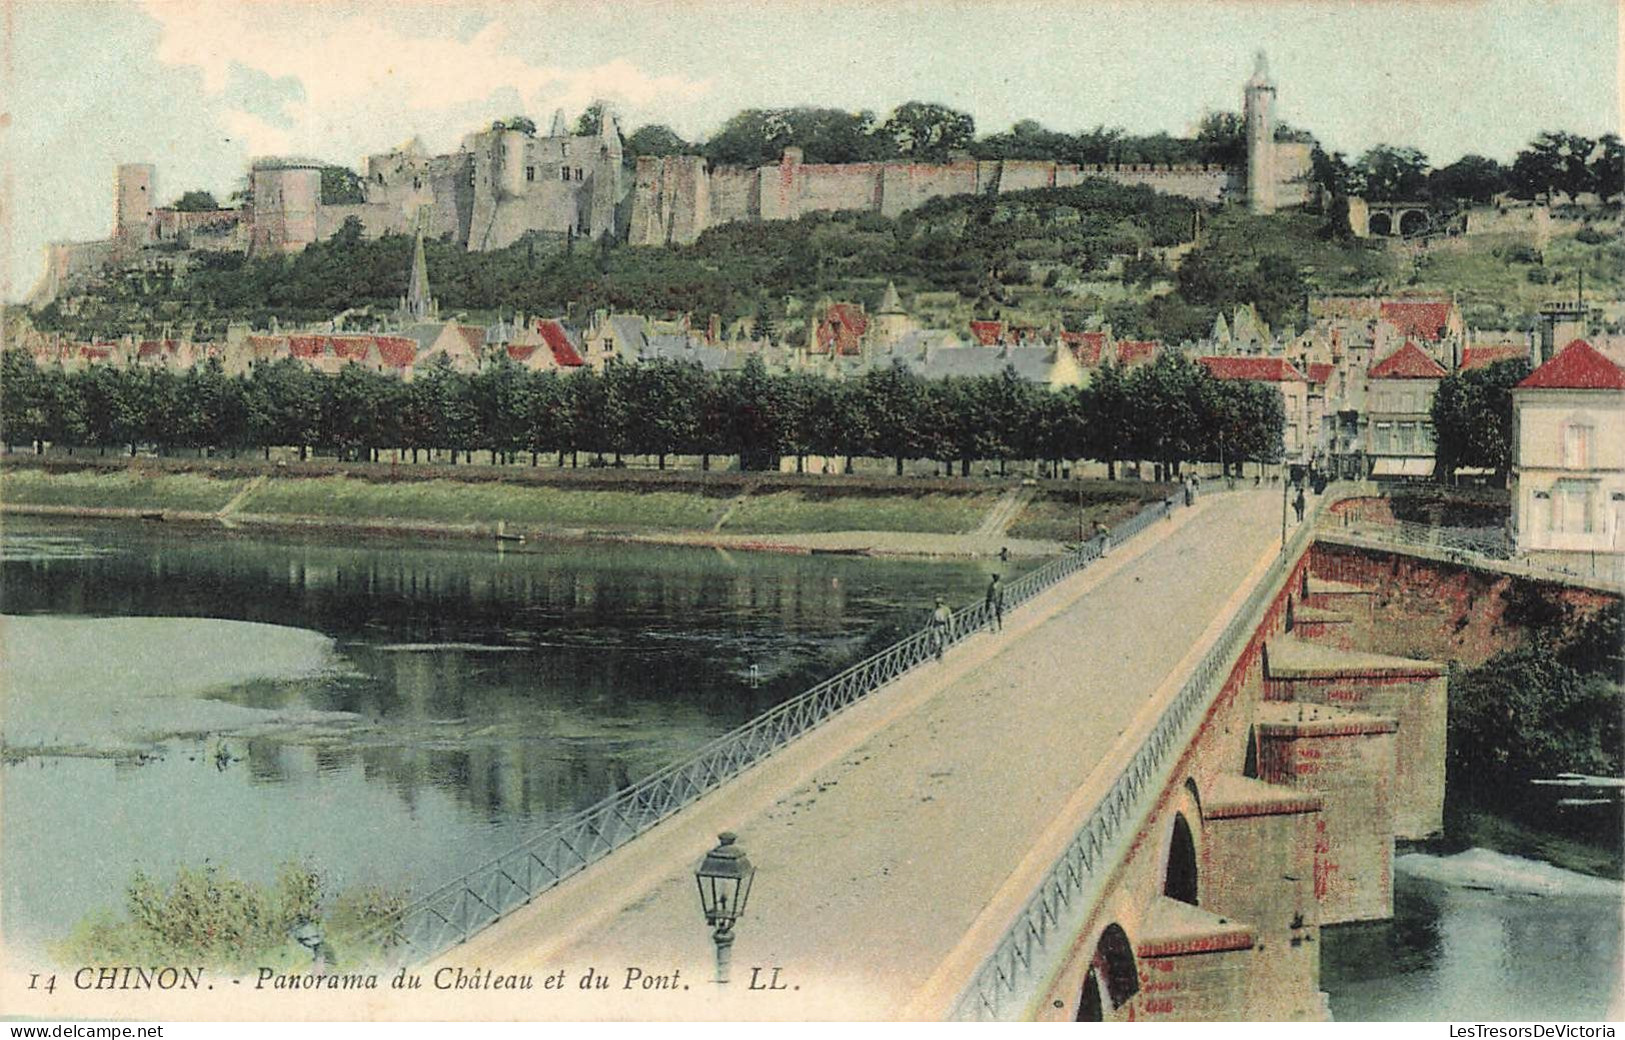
(1556, 164)
(1169, 412)
(928, 132)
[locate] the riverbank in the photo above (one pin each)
(519, 506)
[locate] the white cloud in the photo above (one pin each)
(367, 83)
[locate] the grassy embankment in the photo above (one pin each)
(625, 502)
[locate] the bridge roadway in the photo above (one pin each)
(893, 844)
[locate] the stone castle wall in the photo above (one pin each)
(674, 199)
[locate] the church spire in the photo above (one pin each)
(419, 305)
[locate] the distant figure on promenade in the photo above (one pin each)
(1190, 491)
(995, 602)
(1004, 553)
(1298, 504)
(941, 620)
(1103, 533)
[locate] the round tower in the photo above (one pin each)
(511, 172)
(1259, 109)
(286, 196)
(133, 203)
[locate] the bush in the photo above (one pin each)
(206, 917)
(1591, 236)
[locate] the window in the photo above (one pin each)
(564, 173)
(578, 173)
(1382, 437)
(530, 173)
(1407, 437)
(1571, 506)
(1576, 446)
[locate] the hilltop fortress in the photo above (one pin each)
(676, 198)
(506, 182)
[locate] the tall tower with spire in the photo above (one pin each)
(417, 304)
(1259, 110)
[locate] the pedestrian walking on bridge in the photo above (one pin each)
(942, 620)
(1298, 505)
(995, 603)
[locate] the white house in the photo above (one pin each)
(1568, 456)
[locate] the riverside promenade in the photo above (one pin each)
(894, 843)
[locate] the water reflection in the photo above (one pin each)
(491, 693)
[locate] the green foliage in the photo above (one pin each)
(655, 139)
(195, 202)
(1472, 418)
(1471, 178)
(341, 186)
(1526, 714)
(1389, 174)
(208, 918)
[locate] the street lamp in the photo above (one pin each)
(724, 878)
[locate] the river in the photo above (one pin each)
(394, 712)
(389, 711)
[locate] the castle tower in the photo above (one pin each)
(559, 127)
(1259, 111)
(606, 177)
(889, 322)
(287, 193)
(133, 203)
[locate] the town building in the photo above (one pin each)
(1399, 413)
(1568, 458)
(1298, 436)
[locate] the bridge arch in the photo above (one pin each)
(1412, 221)
(1179, 873)
(1380, 224)
(1112, 977)
(1181, 844)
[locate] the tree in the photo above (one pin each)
(196, 201)
(1221, 138)
(589, 123)
(927, 132)
(1608, 168)
(524, 124)
(22, 412)
(655, 139)
(1332, 172)
(892, 400)
(1556, 161)
(1389, 174)
(341, 186)
(1472, 419)
(1472, 178)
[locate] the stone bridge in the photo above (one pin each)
(1140, 800)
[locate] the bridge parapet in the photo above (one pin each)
(1042, 937)
(454, 912)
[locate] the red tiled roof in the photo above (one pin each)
(350, 348)
(987, 333)
(96, 352)
(154, 347)
(558, 341)
(1136, 351)
(305, 346)
(1578, 366)
(473, 335)
(1087, 347)
(267, 344)
(396, 351)
(1408, 362)
(1256, 369)
(521, 351)
(1483, 357)
(1319, 372)
(1419, 319)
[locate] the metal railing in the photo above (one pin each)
(458, 909)
(1478, 545)
(1006, 982)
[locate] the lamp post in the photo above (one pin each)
(724, 879)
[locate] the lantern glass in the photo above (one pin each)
(724, 878)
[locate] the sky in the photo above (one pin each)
(199, 87)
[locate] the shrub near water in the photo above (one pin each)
(125, 489)
(208, 918)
